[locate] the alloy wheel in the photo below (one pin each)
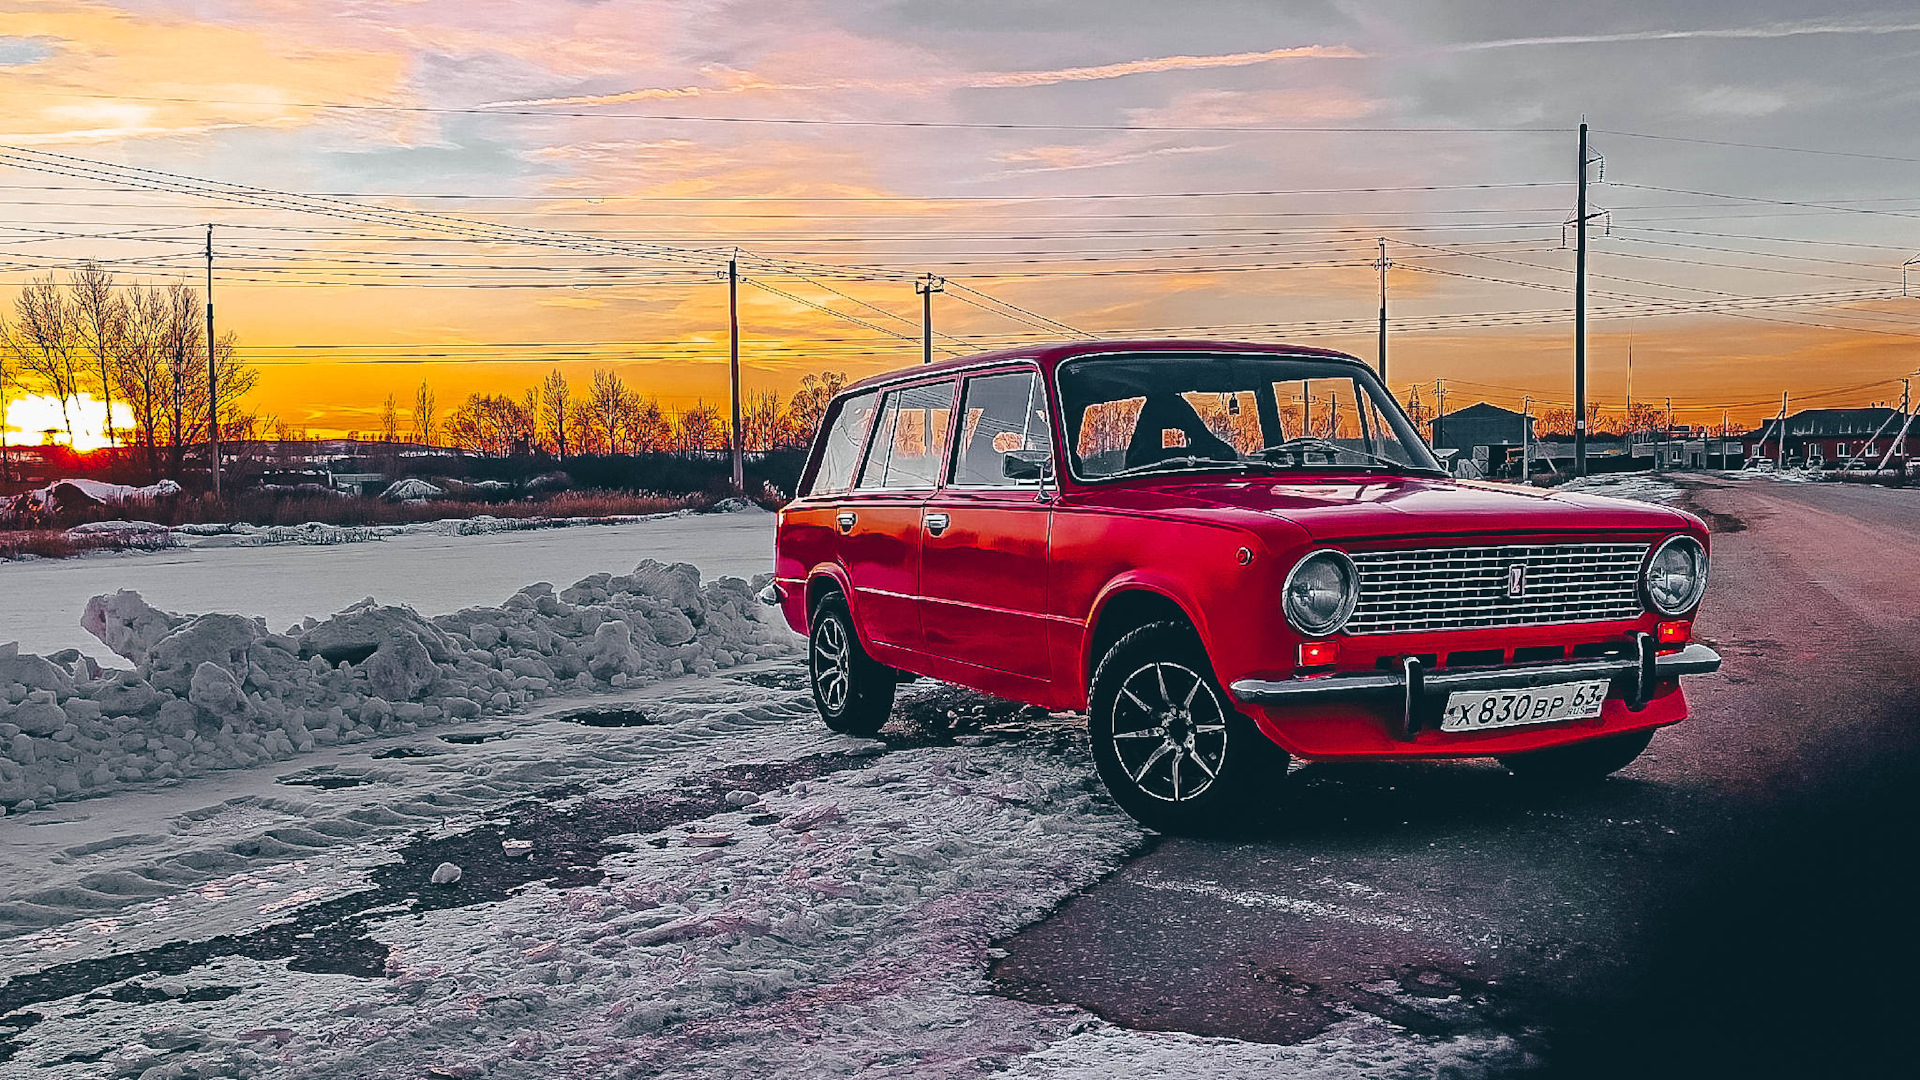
(1169, 731)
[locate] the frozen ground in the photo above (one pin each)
(41, 600)
(690, 877)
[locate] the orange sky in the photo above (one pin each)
(585, 182)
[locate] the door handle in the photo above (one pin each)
(936, 523)
(845, 520)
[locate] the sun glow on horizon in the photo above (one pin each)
(37, 420)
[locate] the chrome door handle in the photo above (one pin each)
(936, 523)
(845, 520)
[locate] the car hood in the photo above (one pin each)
(1361, 508)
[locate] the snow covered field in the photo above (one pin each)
(683, 876)
(435, 572)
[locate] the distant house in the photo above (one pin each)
(1834, 435)
(1486, 434)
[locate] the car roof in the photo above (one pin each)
(1053, 355)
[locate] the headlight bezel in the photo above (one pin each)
(1339, 618)
(1699, 590)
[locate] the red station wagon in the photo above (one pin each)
(1248, 554)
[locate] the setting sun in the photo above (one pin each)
(37, 418)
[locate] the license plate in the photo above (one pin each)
(1484, 710)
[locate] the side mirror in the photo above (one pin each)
(1027, 465)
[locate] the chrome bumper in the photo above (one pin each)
(1414, 682)
(771, 595)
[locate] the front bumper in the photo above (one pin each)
(1636, 678)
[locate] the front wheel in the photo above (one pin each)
(1586, 762)
(1170, 746)
(853, 691)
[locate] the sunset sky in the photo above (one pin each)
(473, 192)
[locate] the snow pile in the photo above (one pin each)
(1640, 487)
(411, 490)
(62, 499)
(219, 691)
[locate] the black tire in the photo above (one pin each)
(1212, 770)
(853, 691)
(1579, 763)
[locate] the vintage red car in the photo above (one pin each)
(1249, 553)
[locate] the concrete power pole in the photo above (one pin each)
(213, 379)
(733, 358)
(1383, 264)
(926, 287)
(1526, 439)
(1900, 441)
(1782, 462)
(1723, 440)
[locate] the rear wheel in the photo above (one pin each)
(853, 691)
(1169, 744)
(1578, 763)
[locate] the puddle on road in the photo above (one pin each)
(392, 752)
(325, 778)
(618, 717)
(474, 738)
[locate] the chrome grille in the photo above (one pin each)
(1463, 588)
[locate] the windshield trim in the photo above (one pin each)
(1064, 452)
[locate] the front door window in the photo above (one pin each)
(1005, 438)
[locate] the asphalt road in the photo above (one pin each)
(1737, 902)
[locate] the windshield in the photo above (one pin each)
(1169, 412)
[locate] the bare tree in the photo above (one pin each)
(650, 432)
(760, 421)
(390, 419)
(100, 323)
(139, 368)
(491, 424)
(424, 424)
(183, 351)
(45, 339)
(608, 409)
(809, 406)
(552, 413)
(697, 428)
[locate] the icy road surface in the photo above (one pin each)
(41, 600)
(720, 887)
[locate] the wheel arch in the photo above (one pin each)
(1126, 605)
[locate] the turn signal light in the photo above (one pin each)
(1673, 633)
(1318, 653)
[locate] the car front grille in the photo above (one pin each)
(1462, 588)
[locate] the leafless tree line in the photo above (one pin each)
(609, 417)
(143, 346)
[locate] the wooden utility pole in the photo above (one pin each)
(733, 360)
(1782, 461)
(1383, 264)
(1723, 440)
(213, 378)
(926, 287)
(1580, 317)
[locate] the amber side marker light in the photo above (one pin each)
(1318, 653)
(1671, 635)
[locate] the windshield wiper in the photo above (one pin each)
(1189, 463)
(1300, 447)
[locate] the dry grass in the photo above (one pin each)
(262, 509)
(56, 544)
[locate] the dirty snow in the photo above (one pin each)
(1640, 487)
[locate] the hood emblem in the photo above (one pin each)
(1517, 579)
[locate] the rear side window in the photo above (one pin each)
(910, 442)
(841, 442)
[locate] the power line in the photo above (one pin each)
(1759, 146)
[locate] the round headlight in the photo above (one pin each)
(1320, 592)
(1677, 575)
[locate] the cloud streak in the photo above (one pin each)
(1763, 32)
(1003, 80)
